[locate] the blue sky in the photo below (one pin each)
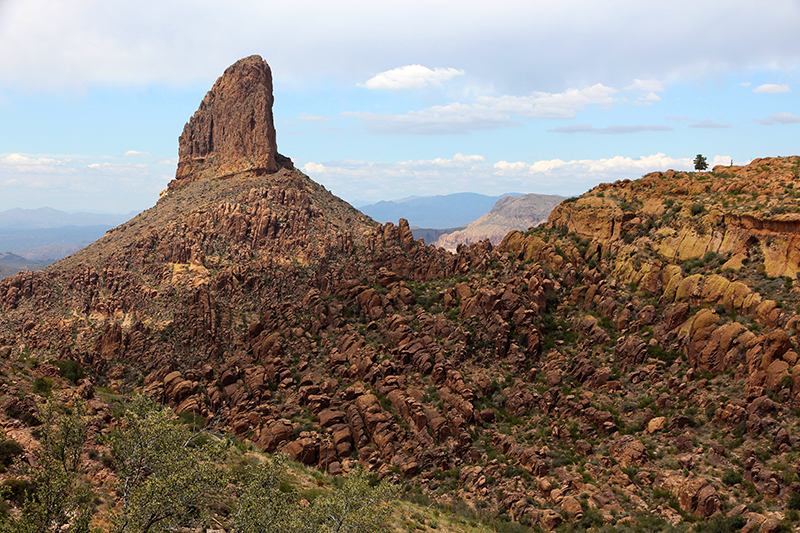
(383, 100)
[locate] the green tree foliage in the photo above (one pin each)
(59, 500)
(359, 506)
(262, 506)
(700, 162)
(167, 475)
(170, 477)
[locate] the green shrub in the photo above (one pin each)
(731, 477)
(70, 370)
(17, 489)
(9, 449)
(43, 386)
(721, 524)
(793, 501)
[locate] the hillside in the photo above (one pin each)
(508, 214)
(630, 364)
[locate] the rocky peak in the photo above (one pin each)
(232, 131)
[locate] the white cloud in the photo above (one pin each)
(646, 86)
(487, 112)
(64, 182)
(746, 84)
(313, 168)
(609, 130)
(771, 88)
(649, 98)
(363, 182)
(134, 153)
(28, 165)
(411, 77)
(437, 120)
(709, 124)
(597, 170)
(461, 158)
(551, 105)
(780, 118)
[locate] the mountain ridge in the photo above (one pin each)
(508, 214)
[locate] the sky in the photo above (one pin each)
(390, 99)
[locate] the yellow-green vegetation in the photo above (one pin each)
(169, 478)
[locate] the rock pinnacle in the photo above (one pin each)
(232, 131)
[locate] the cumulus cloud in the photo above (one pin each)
(780, 118)
(313, 168)
(649, 98)
(362, 182)
(437, 120)
(609, 130)
(109, 184)
(544, 105)
(709, 124)
(771, 88)
(134, 153)
(597, 170)
(27, 165)
(411, 77)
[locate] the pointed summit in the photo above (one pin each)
(232, 131)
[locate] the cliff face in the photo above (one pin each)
(509, 213)
(627, 357)
(232, 131)
(740, 212)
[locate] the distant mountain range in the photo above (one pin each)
(438, 212)
(31, 239)
(47, 217)
(447, 220)
(508, 214)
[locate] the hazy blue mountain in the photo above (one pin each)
(10, 264)
(47, 217)
(438, 212)
(18, 240)
(31, 239)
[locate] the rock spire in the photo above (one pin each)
(232, 131)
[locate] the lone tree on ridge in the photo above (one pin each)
(700, 162)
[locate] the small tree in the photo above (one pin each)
(58, 500)
(700, 162)
(262, 507)
(358, 507)
(167, 474)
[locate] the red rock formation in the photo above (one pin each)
(232, 131)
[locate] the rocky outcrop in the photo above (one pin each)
(232, 131)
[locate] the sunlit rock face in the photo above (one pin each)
(232, 131)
